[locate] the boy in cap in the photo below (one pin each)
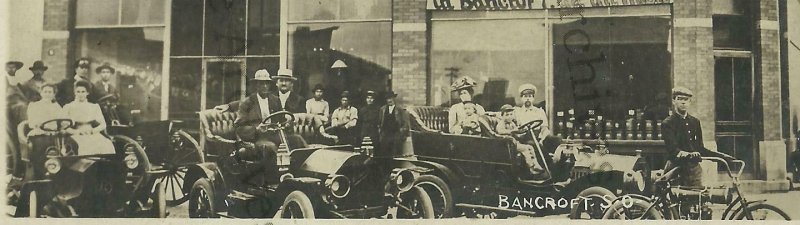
(318, 106)
(508, 126)
(683, 137)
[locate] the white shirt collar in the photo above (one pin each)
(391, 108)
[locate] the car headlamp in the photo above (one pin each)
(52, 165)
(286, 176)
(634, 181)
(131, 161)
(403, 179)
(339, 185)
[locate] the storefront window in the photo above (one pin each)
(357, 33)
(224, 27)
(184, 90)
(263, 26)
(97, 12)
(142, 12)
(612, 66)
(499, 54)
(119, 12)
(187, 28)
(137, 55)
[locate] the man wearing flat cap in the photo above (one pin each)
(251, 112)
(67, 86)
(394, 127)
(290, 101)
(104, 86)
(683, 137)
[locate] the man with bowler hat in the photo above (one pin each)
(251, 112)
(37, 81)
(67, 86)
(393, 127)
(290, 101)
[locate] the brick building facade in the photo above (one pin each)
(409, 59)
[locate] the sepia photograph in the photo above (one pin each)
(419, 110)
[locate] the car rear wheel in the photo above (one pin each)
(201, 200)
(591, 202)
(415, 204)
(297, 205)
(439, 192)
(159, 202)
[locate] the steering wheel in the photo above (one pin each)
(530, 126)
(273, 126)
(61, 125)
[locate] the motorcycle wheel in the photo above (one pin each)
(763, 212)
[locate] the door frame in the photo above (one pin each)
(755, 132)
(204, 86)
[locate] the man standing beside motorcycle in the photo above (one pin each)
(683, 137)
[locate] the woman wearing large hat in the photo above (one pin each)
(465, 88)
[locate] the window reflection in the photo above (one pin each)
(224, 27)
(339, 9)
(184, 89)
(97, 12)
(142, 11)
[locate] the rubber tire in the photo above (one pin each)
(443, 188)
(302, 200)
(619, 205)
(592, 192)
(205, 185)
(33, 205)
(159, 202)
(424, 201)
(741, 216)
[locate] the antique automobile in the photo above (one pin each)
(487, 177)
(65, 179)
(674, 202)
(314, 181)
(168, 147)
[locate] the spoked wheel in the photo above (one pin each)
(415, 204)
(201, 200)
(763, 212)
(297, 205)
(439, 192)
(591, 203)
(632, 209)
(184, 151)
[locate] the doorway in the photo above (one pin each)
(734, 98)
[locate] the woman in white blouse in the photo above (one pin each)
(89, 123)
(44, 110)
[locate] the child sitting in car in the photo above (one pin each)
(508, 126)
(469, 125)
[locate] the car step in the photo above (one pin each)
(521, 212)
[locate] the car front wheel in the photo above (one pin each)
(440, 194)
(297, 205)
(201, 200)
(415, 204)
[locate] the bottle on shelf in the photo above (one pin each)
(648, 129)
(558, 129)
(630, 126)
(658, 131)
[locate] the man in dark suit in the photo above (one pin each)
(104, 86)
(368, 118)
(67, 86)
(290, 101)
(251, 112)
(683, 137)
(393, 128)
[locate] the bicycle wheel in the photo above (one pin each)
(632, 209)
(762, 211)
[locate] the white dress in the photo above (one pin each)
(84, 114)
(41, 111)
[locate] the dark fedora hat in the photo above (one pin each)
(105, 67)
(391, 94)
(17, 64)
(38, 65)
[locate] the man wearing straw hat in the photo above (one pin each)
(290, 101)
(251, 112)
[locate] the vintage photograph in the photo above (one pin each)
(402, 109)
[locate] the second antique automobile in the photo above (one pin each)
(315, 181)
(487, 177)
(64, 181)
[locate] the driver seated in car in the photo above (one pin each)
(249, 128)
(508, 126)
(527, 113)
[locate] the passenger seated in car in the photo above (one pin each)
(508, 126)
(469, 124)
(455, 115)
(89, 123)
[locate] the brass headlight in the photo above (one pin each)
(633, 181)
(403, 179)
(131, 161)
(52, 165)
(339, 185)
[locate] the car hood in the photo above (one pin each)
(329, 161)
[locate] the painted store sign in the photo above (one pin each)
(532, 4)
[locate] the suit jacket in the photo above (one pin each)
(294, 104)
(249, 112)
(402, 118)
(66, 92)
(100, 91)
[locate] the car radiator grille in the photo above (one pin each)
(578, 172)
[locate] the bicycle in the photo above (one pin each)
(690, 203)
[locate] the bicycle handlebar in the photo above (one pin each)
(727, 167)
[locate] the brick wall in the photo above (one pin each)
(56, 27)
(56, 14)
(693, 57)
(410, 51)
(768, 67)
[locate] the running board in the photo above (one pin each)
(521, 212)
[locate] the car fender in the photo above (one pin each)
(611, 180)
(439, 170)
(207, 170)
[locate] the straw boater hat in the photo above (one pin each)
(261, 75)
(105, 66)
(17, 64)
(285, 74)
(463, 83)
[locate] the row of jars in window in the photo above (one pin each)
(595, 127)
